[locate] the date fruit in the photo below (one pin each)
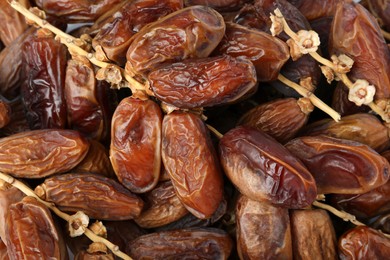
(219, 5)
(13, 23)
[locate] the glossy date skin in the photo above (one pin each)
(192, 32)
(115, 33)
(40, 153)
(363, 243)
(219, 5)
(267, 53)
(191, 162)
(43, 95)
(264, 170)
(97, 196)
(314, 9)
(195, 243)
(341, 166)
(205, 82)
(135, 150)
(13, 23)
(263, 230)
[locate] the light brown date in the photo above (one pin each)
(40, 153)
(191, 162)
(97, 196)
(341, 166)
(13, 23)
(263, 230)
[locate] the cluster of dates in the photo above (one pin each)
(146, 164)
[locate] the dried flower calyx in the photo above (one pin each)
(361, 93)
(277, 24)
(342, 63)
(78, 223)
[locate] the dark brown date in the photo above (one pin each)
(13, 23)
(382, 223)
(264, 170)
(191, 162)
(97, 196)
(341, 103)
(44, 60)
(40, 153)
(205, 82)
(314, 9)
(192, 32)
(363, 243)
(115, 33)
(18, 121)
(3, 251)
(195, 243)
(267, 53)
(5, 113)
(381, 8)
(162, 207)
(341, 166)
(263, 230)
(281, 118)
(362, 127)
(31, 233)
(313, 235)
(135, 150)
(219, 5)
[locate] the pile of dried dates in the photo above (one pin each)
(194, 129)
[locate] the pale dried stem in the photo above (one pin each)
(386, 34)
(307, 94)
(29, 192)
(214, 131)
(68, 40)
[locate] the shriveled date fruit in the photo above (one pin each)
(264, 170)
(281, 118)
(266, 52)
(13, 23)
(195, 243)
(135, 150)
(31, 233)
(192, 32)
(40, 153)
(313, 235)
(191, 162)
(341, 166)
(363, 243)
(195, 83)
(97, 196)
(263, 230)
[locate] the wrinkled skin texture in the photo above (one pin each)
(314, 9)
(219, 5)
(313, 235)
(191, 162)
(363, 243)
(135, 150)
(31, 233)
(340, 166)
(205, 82)
(76, 11)
(162, 207)
(192, 32)
(97, 196)
(114, 35)
(12, 24)
(356, 33)
(381, 9)
(195, 243)
(264, 170)
(40, 153)
(281, 119)
(8, 196)
(267, 53)
(362, 127)
(18, 121)
(366, 205)
(263, 230)
(43, 90)
(5, 113)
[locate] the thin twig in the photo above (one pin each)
(26, 190)
(214, 131)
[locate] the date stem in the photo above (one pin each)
(29, 192)
(386, 34)
(308, 94)
(214, 131)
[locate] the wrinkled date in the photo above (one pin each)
(281, 119)
(192, 32)
(40, 153)
(162, 206)
(135, 150)
(195, 243)
(313, 235)
(263, 230)
(266, 52)
(31, 233)
(264, 170)
(195, 83)
(341, 166)
(13, 23)
(97, 196)
(314, 9)
(191, 162)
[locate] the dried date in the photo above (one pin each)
(13, 23)
(219, 5)
(381, 8)
(264, 170)
(314, 9)
(5, 113)
(40, 153)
